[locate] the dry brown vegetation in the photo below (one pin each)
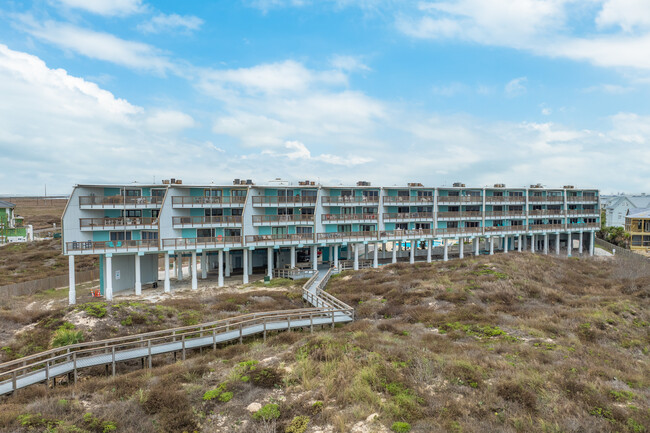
(40, 213)
(34, 260)
(508, 343)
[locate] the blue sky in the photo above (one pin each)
(478, 91)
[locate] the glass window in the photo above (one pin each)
(157, 192)
(238, 193)
(120, 236)
(149, 235)
(309, 192)
(425, 193)
(304, 230)
(132, 192)
(471, 224)
(205, 233)
(132, 213)
(403, 193)
(236, 212)
(346, 193)
(344, 228)
(402, 226)
(213, 192)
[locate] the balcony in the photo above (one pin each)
(350, 201)
(121, 223)
(408, 200)
(461, 199)
(583, 226)
(276, 220)
(546, 212)
(279, 239)
(505, 214)
(546, 199)
(408, 216)
(450, 231)
(202, 243)
(545, 227)
(505, 229)
(181, 222)
(354, 217)
(582, 199)
(580, 212)
(183, 202)
(505, 199)
(348, 236)
(94, 247)
(405, 234)
(119, 202)
(276, 200)
(458, 215)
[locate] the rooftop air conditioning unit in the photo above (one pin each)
(249, 181)
(539, 185)
(568, 187)
(499, 185)
(179, 182)
(459, 185)
(415, 184)
(173, 181)
(363, 183)
(235, 182)
(166, 182)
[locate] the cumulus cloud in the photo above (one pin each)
(168, 121)
(516, 87)
(173, 22)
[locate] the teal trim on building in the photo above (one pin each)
(188, 233)
(101, 236)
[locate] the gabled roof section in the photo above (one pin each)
(638, 213)
(6, 204)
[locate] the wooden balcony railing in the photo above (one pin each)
(112, 223)
(508, 229)
(115, 201)
(206, 242)
(102, 246)
(261, 219)
(200, 201)
(505, 214)
(409, 199)
(341, 200)
(281, 200)
(575, 212)
(582, 199)
(582, 226)
(349, 217)
(505, 199)
(541, 212)
(545, 227)
(348, 235)
(409, 215)
(459, 230)
(471, 214)
(283, 237)
(548, 198)
(199, 221)
(405, 234)
(460, 199)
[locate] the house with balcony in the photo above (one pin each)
(235, 230)
(637, 224)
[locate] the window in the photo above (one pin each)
(402, 209)
(473, 193)
(344, 228)
(309, 193)
(453, 193)
(537, 207)
(213, 212)
(636, 240)
(471, 224)
(307, 211)
(453, 208)
(367, 228)
(472, 208)
(422, 209)
(370, 193)
(425, 193)
(347, 210)
(452, 224)
(132, 213)
(238, 193)
(304, 230)
(497, 223)
(149, 235)
(516, 194)
(498, 193)
(371, 210)
(497, 208)
(236, 212)
(233, 232)
(402, 226)
(279, 230)
(423, 226)
(132, 192)
(205, 233)
(120, 236)
(212, 193)
(516, 223)
(555, 221)
(346, 193)
(157, 192)
(155, 213)
(536, 194)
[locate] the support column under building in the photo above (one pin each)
(557, 244)
(477, 246)
(505, 244)
(138, 278)
(72, 292)
(394, 260)
(336, 256)
(412, 253)
(179, 266)
(375, 256)
(445, 250)
(580, 242)
(532, 243)
(491, 246)
(244, 255)
(519, 243)
(220, 267)
(166, 284)
(250, 262)
(195, 284)
(429, 248)
(356, 257)
(592, 235)
(108, 279)
(314, 257)
(293, 257)
(545, 243)
(569, 244)
(461, 248)
(269, 262)
(227, 264)
(204, 265)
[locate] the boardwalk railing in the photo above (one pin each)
(43, 366)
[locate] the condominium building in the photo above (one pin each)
(237, 228)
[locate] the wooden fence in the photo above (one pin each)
(29, 287)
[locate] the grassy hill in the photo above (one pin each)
(507, 343)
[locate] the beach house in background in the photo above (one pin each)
(637, 224)
(12, 228)
(617, 206)
(238, 228)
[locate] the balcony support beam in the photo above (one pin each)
(384, 253)
(569, 244)
(505, 244)
(476, 246)
(166, 284)
(250, 262)
(445, 250)
(228, 263)
(519, 243)
(193, 265)
(557, 244)
(138, 278)
(179, 266)
(220, 267)
(532, 243)
(592, 235)
(72, 292)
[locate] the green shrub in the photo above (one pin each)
(65, 335)
(401, 427)
(216, 393)
(225, 397)
(268, 412)
(298, 425)
(317, 407)
(95, 309)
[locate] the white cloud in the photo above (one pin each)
(543, 27)
(516, 87)
(98, 45)
(626, 14)
(450, 89)
(297, 150)
(106, 7)
(165, 23)
(349, 63)
(168, 121)
(612, 89)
